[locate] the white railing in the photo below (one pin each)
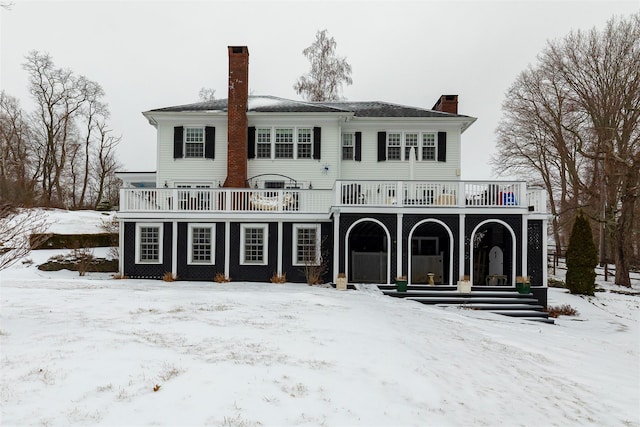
(439, 194)
(461, 194)
(224, 200)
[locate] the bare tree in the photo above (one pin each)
(17, 180)
(574, 120)
(57, 99)
(16, 228)
(207, 94)
(105, 166)
(328, 71)
(69, 125)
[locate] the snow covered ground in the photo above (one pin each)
(90, 351)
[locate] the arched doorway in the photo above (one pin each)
(493, 238)
(431, 252)
(368, 258)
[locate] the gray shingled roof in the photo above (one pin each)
(386, 109)
(272, 104)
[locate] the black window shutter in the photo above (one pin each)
(251, 142)
(442, 146)
(177, 142)
(210, 142)
(382, 146)
(316, 143)
(358, 153)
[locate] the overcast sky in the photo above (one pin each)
(152, 54)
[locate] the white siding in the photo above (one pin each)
(307, 170)
(371, 168)
(183, 170)
(321, 173)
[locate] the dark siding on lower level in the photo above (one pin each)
(253, 273)
(295, 273)
(199, 272)
(146, 271)
(535, 257)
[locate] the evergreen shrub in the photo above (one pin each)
(582, 258)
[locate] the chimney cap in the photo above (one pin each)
(238, 49)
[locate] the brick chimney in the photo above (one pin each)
(447, 104)
(237, 117)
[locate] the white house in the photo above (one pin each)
(253, 186)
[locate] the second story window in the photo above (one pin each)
(194, 142)
(394, 146)
(347, 146)
(410, 140)
(263, 136)
(428, 146)
(285, 143)
(304, 143)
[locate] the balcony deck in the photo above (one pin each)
(345, 194)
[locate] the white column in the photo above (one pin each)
(525, 242)
(545, 248)
(399, 271)
(279, 267)
(336, 246)
(174, 248)
(461, 234)
(227, 244)
(121, 244)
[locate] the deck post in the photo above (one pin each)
(336, 246)
(399, 271)
(461, 249)
(525, 244)
(279, 267)
(227, 244)
(174, 248)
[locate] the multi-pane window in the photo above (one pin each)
(201, 246)
(284, 143)
(304, 143)
(347, 146)
(263, 143)
(307, 245)
(428, 146)
(254, 244)
(194, 142)
(410, 141)
(394, 146)
(149, 248)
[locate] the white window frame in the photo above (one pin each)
(404, 148)
(272, 142)
(265, 143)
(185, 142)
(139, 227)
(352, 146)
(397, 144)
(294, 245)
(265, 243)
(423, 145)
(212, 249)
